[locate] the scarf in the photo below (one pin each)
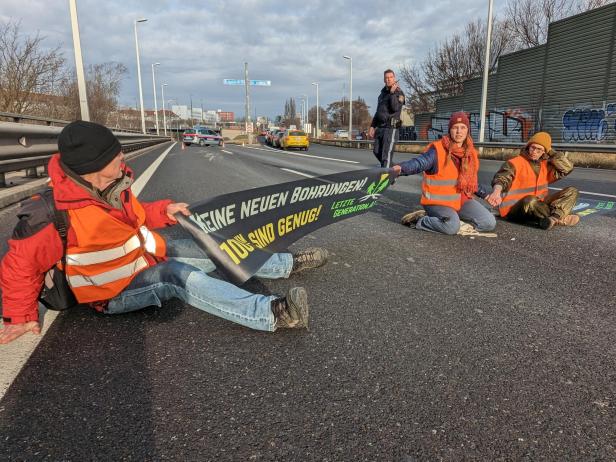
(469, 164)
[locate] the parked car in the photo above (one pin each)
(341, 134)
(201, 136)
(294, 139)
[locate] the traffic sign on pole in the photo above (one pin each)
(256, 83)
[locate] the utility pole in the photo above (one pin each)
(247, 111)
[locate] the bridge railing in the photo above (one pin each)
(27, 146)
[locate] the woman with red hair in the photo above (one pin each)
(449, 168)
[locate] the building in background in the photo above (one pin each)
(224, 116)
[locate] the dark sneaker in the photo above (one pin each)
(291, 311)
(411, 219)
(312, 257)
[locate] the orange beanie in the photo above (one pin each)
(541, 138)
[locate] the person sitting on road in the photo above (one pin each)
(115, 262)
(523, 183)
(449, 167)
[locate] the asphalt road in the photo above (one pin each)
(421, 346)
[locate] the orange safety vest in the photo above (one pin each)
(440, 188)
(525, 182)
(109, 252)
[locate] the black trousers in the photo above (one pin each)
(384, 140)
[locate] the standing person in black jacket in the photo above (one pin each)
(386, 121)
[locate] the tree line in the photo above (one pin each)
(334, 116)
(37, 81)
(460, 57)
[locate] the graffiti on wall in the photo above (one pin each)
(513, 125)
(589, 124)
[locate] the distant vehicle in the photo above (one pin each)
(294, 139)
(277, 137)
(341, 134)
(201, 136)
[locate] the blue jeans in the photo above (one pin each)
(184, 276)
(441, 219)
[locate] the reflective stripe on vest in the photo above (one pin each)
(107, 253)
(432, 181)
(525, 183)
(110, 276)
(441, 188)
(101, 256)
(441, 197)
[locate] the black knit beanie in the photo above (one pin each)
(86, 147)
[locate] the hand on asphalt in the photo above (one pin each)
(13, 331)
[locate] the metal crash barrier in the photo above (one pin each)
(27, 146)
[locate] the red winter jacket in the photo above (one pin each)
(23, 267)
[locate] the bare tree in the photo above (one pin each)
(103, 88)
(312, 116)
(443, 72)
(528, 20)
(26, 70)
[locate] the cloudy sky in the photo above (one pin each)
(291, 43)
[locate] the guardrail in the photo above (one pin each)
(366, 144)
(27, 146)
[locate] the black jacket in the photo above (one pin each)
(388, 107)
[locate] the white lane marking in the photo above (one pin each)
(14, 356)
(304, 155)
(297, 173)
(140, 183)
(587, 192)
(228, 152)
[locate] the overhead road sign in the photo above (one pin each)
(256, 83)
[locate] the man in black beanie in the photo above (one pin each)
(113, 259)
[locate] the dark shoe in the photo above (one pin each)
(291, 311)
(312, 257)
(411, 219)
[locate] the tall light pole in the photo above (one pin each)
(318, 128)
(162, 94)
(81, 80)
(350, 96)
(486, 70)
(139, 73)
(305, 111)
(155, 103)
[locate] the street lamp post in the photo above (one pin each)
(318, 128)
(350, 96)
(155, 103)
(81, 80)
(486, 71)
(162, 93)
(139, 73)
(305, 111)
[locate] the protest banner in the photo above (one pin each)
(240, 231)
